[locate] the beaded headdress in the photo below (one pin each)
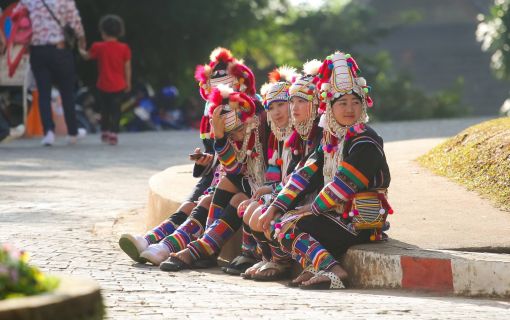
(224, 69)
(305, 87)
(277, 89)
(237, 107)
(338, 76)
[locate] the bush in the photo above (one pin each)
(18, 278)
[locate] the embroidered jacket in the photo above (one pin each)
(363, 168)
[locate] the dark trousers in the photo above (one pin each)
(330, 234)
(110, 110)
(52, 65)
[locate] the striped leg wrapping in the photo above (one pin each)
(249, 245)
(166, 228)
(212, 240)
(189, 231)
(306, 250)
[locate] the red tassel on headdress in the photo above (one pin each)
(291, 141)
(200, 73)
(239, 70)
(216, 99)
(274, 76)
(370, 102)
(205, 127)
(221, 54)
(246, 104)
(271, 148)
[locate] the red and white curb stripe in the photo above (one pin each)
(441, 271)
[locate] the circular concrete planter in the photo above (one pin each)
(75, 298)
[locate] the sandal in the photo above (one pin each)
(282, 272)
(334, 282)
(309, 269)
(174, 264)
(205, 263)
(255, 267)
(239, 265)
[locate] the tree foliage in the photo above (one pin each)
(169, 38)
(493, 32)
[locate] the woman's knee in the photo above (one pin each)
(186, 207)
(227, 185)
(237, 199)
(205, 201)
(254, 220)
(251, 206)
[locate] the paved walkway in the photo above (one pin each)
(59, 204)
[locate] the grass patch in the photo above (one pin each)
(478, 158)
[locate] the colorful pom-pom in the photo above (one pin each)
(324, 94)
(382, 211)
(356, 212)
(295, 152)
(249, 152)
(287, 236)
(345, 215)
(330, 66)
(281, 236)
(347, 55)
(351, 214)
(372, 237)
(390, 211)
(277, 230)
(272, 222)
(279, 162)
(292, 235)
(278, 225)
(366, 90)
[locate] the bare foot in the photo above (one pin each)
(304, 276)
(272, 269)
(339, 271)
(253, 269)
(183, 255)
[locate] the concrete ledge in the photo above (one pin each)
(167, 190)
(75, 298)
(398, 265)
(392, 264)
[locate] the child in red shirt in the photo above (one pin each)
(114, 67)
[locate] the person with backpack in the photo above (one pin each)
(114, 66)
(56, 26)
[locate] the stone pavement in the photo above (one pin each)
(60, 204)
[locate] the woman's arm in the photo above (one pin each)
(353, 175)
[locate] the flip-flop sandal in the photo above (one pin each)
(334, 282)
(256, 266)
(282, 272)
(309, 269)
(174, 264)
(239, 265)
(205, 263)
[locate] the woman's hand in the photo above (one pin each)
(261, 191)
(218, 123)
(304, 209)
(265, 219)
(205, 159)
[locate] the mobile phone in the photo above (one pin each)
(195, 156)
